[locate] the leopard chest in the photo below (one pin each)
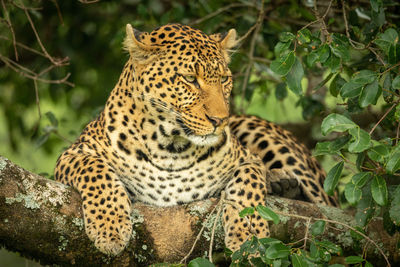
(194, 180)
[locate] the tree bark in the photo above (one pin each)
(42, 219)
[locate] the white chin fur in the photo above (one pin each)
(206, 140)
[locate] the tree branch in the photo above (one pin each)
(42, 219)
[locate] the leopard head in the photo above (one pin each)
(184, 73)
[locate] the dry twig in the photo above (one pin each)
(9, 24)
(199, 234)
(257, 28)
(220, 205)
(57, 62)
(218, 11)
(383, 116)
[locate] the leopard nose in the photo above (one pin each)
(215, 121)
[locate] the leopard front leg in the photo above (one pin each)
(105, 202)
(247, 188)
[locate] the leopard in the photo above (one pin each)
(165, 137)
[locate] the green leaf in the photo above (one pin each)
(41, 140)
(53, 120)
(394, 210)
(267, 214)
(361, 140)
(281, 91)
(340, 46)
(283, 64)
(333, 62)
(311, 58)
(386, 39)
(318, 228)
(361, 178)
(365, 207)
(304, 36)
(370, 94)
(353, 259)
(331, 247)
(378, 18)
(280, 48)
(336, 123)
(323, 53)
(332, 178)
(396, 82)
(360, 160)
(386, 84)
(364, 77)
(200, 262)
(286, 37)
(350, 89)
(375, 4)
(267, 241)
(277, 251)
(397, 113)
(298, 261)
(340, 143)
(378, 153)
(315, 252)
(246, 212)
(352, 193)
(388, 225)
(336, 84)
(293, 78)
(379, 190)
(258, 262)
(394, 53)
(331, 147)
(393, 163)
(323, 148)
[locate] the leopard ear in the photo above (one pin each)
(226, 41)
(138, 50)
(229, 40)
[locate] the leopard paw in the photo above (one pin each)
(284, 184)
(109, 231)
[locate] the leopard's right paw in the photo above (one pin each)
(110, 232)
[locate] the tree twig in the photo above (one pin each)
(56, 62)
(383, 116)
(32, 75)
(198, 235)
(24, 46)
(250, 55)
(9, 24)
(218, 11)
(220, 204)
(306, 233)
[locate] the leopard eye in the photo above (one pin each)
(224, 78)
(190, 78)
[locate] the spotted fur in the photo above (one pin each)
(163, 139)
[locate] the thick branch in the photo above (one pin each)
(42, 219)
